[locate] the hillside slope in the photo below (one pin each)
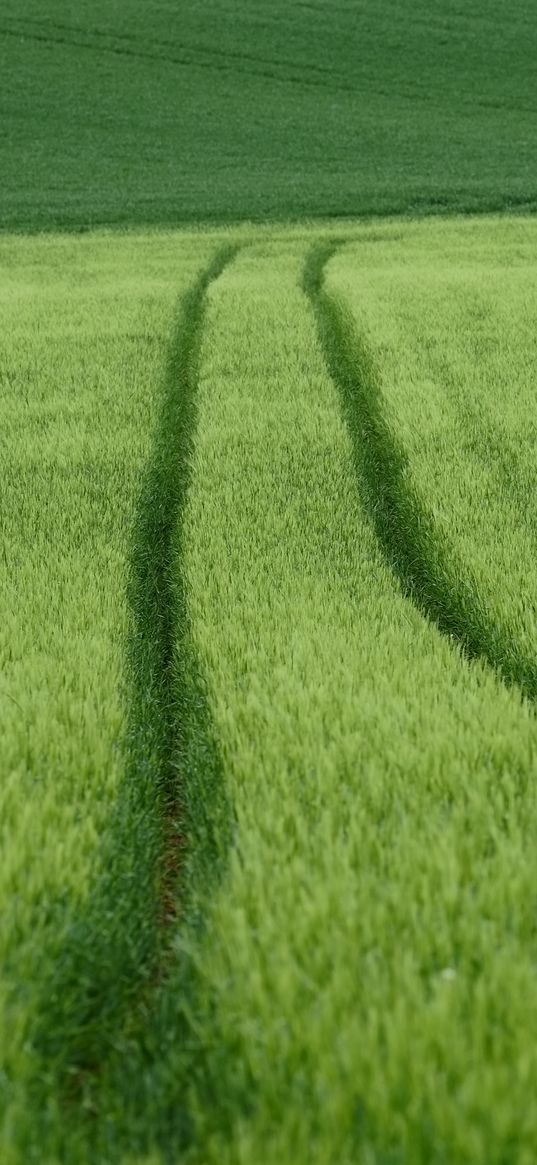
(124, 111)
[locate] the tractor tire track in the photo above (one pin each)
(84, 42)
(405, 530)
(134, 42)
(118, 949)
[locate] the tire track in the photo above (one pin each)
(83, 41)
(158, 593)
(405, 530)
(55, 33)
(133, 41)
(118, 949)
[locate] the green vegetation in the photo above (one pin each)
(439, 315)
(367, 978)
(153, 111)
(82, 332)
(267, 575)
(270, 828)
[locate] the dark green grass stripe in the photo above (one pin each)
(405, 530)
(161, 658)
(117, 950)
(73, 37)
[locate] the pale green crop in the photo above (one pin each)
(270, 833)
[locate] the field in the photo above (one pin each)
(159, 111)
(268, 626)
(267, 632)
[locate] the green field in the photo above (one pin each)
(269, 744)
(268, 578)
(160, 111)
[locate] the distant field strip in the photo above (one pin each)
(365, 980)
(166, 113)
(433, 343)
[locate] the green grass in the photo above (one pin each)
(271, 831)
(84, 327)
(123, 111)
(438, 318)
(367, 980)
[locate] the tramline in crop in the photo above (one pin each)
(271, 831)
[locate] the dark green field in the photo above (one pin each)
(171, 111)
